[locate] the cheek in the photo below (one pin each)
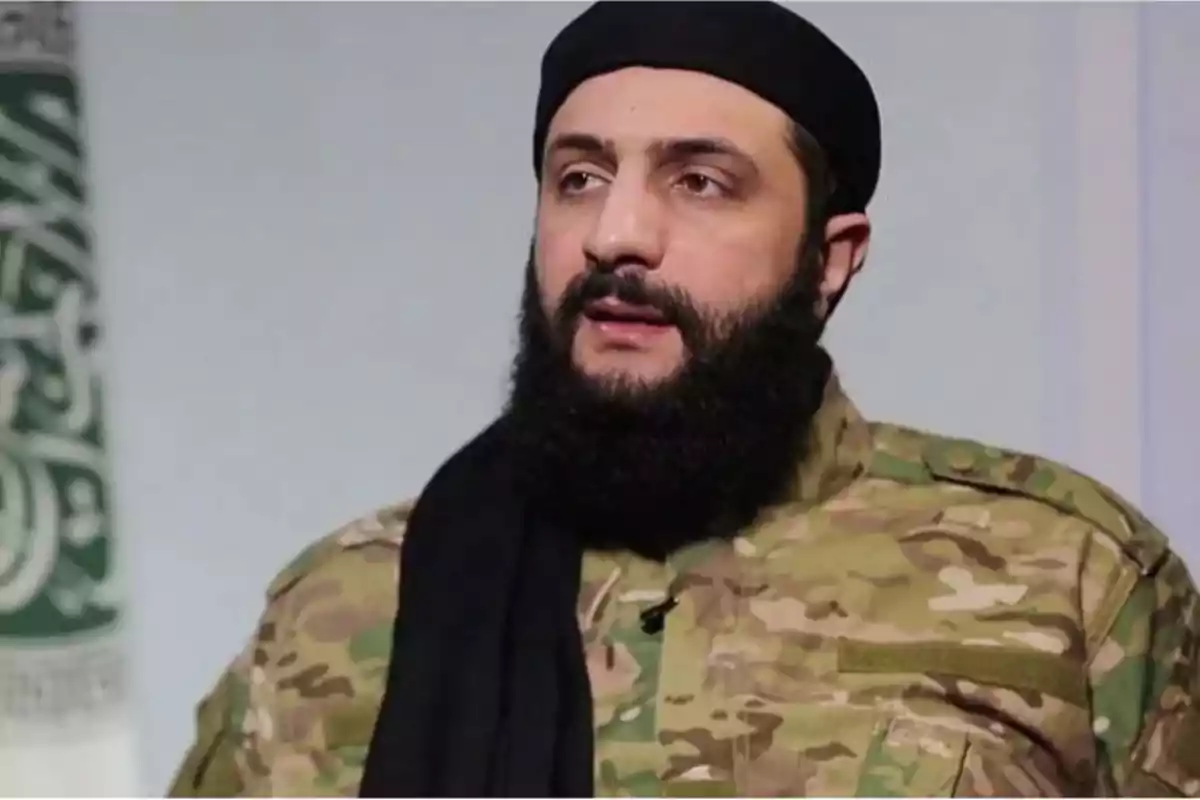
(726, 274)
(558, 260)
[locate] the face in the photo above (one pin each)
(671, 204)
(669, 366)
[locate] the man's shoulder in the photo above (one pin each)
(319, 652)
(339, 555)
(1015, 484)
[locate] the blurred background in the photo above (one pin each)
(264, 279)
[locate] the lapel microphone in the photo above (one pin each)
(654, 618)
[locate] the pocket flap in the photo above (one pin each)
(913, 758)
(1171, 750)
(1022, 670)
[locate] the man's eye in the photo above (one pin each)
(576, 181)
(702, 185)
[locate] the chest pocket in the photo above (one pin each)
(887, 722)
(828, 750)
(971, 744)
(912, 758)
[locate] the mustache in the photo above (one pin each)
(675, 305)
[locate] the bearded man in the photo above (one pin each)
(680, 562)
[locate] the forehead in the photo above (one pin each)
(641, 103)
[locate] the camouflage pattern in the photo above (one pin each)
(923, 617)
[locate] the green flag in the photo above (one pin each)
(65, 726)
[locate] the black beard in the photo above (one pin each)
(654, 467)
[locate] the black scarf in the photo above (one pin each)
(487, 692)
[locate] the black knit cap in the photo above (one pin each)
(756, 44)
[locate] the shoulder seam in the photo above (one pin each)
(1054, 484)
(917, 457)
(385, 526)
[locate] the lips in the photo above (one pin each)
(609, 310)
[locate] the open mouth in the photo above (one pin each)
(614, 311)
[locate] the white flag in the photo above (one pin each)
(65, 720)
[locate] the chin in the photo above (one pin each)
(630, 371)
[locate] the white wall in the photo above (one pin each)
(311, 221)
(1170, 49)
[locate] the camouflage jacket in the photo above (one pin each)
(924, 616)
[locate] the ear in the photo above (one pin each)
(847, 237)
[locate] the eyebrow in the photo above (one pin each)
(664, 150)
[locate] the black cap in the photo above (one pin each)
(756, 44)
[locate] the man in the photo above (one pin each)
(680, 562)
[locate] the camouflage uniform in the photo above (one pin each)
(925, 616)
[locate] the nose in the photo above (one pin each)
(628, 228)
